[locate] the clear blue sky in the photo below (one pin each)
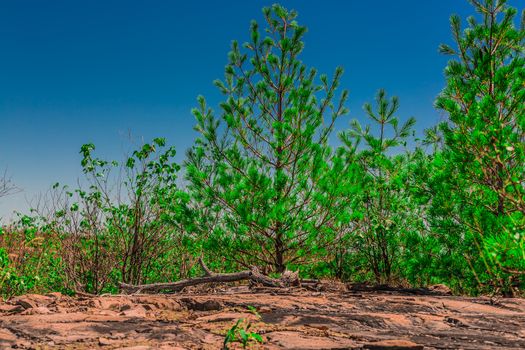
(73, 72)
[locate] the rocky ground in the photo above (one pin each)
(286, 319)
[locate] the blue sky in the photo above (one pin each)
(97, 71)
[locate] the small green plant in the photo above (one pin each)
(253, 310)
(240, 332)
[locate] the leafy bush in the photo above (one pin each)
(30, 259)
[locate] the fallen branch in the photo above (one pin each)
(288, 279)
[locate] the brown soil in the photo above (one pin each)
(289, 319)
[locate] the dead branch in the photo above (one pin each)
(288, 279)
(7, 187)
(205, 268)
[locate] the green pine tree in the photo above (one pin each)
(264, 165)
(384, 199)
(484, 155)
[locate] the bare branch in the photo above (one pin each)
(7, 187)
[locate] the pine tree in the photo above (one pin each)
(265, 165)
(485, 139)
(384, 200)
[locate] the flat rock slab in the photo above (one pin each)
(284, 319)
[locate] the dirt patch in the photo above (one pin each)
(292, 320)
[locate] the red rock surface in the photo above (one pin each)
(288, 320)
